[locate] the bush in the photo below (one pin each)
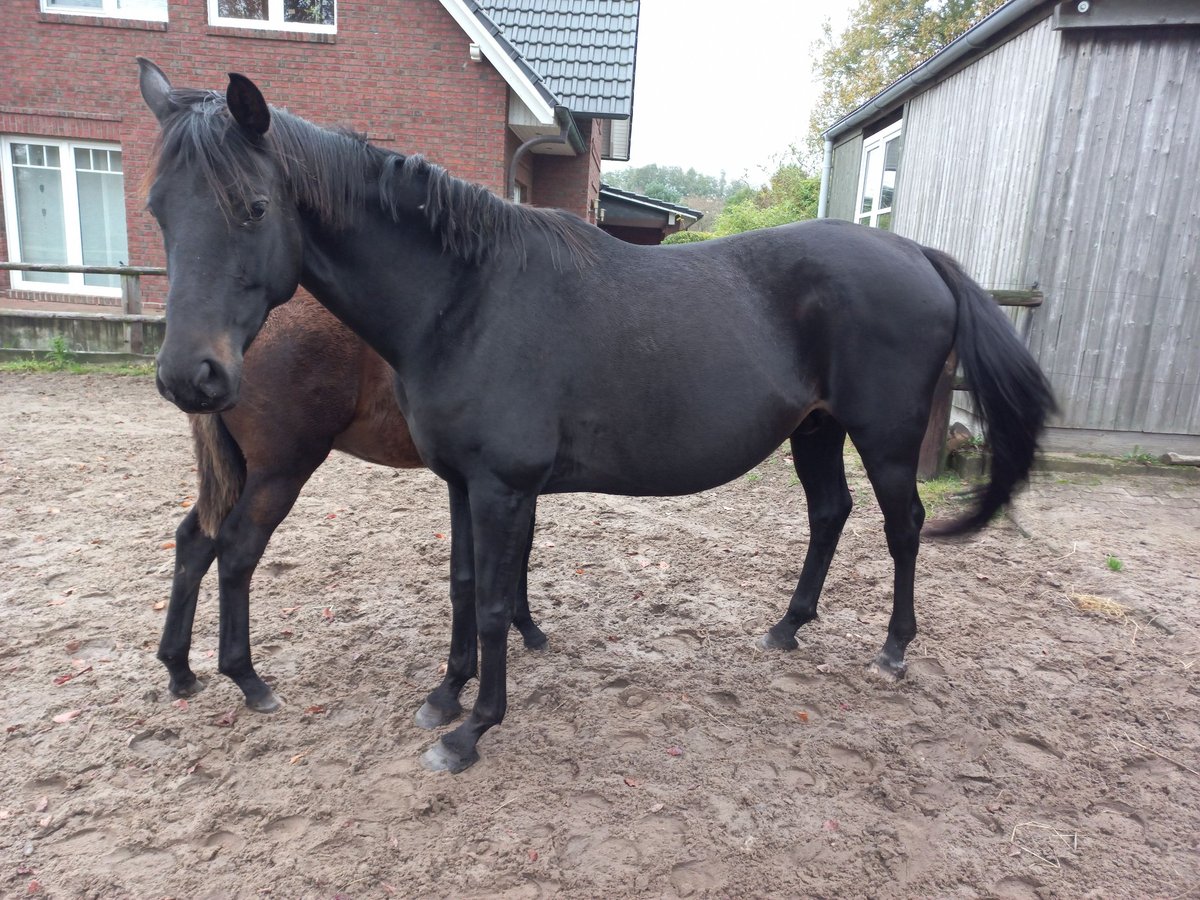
(687, 237)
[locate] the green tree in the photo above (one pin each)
(671, 183)
(790, 196)
(884, 40)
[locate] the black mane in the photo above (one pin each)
(331, 173)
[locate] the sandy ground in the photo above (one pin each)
(1036, 749)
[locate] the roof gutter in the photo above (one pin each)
(968, 42)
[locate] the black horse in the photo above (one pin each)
(534, 353)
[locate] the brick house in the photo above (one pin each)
(525, 97)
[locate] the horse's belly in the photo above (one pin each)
(668, 462)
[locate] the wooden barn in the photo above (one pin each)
(1055, 148)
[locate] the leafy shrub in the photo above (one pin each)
(687, 237)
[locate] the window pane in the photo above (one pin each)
(871, 173)
(102, 223)
(891, 162)
(75, 4)
(884, 221)
(242, 9)
(308, 12)
(40, 226)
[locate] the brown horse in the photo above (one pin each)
(311, 386)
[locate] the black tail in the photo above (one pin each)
(221, 468)
(1012, 395)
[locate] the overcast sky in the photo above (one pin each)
(725, 86)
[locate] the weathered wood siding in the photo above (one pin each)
(1115, 236)
(972, 145)
(843, 183)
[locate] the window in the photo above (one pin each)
(64, 202)
(285, 15)
(146, 10)
(877, 181)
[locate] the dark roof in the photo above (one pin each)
(582, 51)
(643, 200)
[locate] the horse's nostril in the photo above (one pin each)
(210, 379)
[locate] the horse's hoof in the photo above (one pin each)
(187, 689)
(537, 643)
(264, 703)
(439, 758)
(887, 668)
(770, 642)
(430, 716)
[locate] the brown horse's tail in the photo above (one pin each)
(1011, 393)
(221, 468)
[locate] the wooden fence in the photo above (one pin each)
(933, 449)
(131, 297)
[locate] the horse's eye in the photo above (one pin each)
(258, 209)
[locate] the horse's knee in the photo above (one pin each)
(829, 518)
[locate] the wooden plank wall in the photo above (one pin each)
(1115, 234)
(972, 144)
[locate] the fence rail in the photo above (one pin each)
(131, 295)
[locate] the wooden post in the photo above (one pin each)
(932, 461)
(131, 304)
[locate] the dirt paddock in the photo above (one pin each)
(1044, 743)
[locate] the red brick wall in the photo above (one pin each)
(557, 179)
(397, 70)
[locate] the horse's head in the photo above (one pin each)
(231, 230)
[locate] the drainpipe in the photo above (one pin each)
(568, 133)
(826, 173)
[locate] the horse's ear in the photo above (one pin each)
(247, 104)
(156, 90)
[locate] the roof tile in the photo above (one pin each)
(583, 50)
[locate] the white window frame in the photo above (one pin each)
(877, 141)
(112, 9)
(273, 22)
(74, 237)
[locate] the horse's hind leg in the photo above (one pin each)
(241, 542)
(817, 456)
(535, 638)
(891, 464)
(194, 554)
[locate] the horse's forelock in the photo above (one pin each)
(202, 135)
(322, 170)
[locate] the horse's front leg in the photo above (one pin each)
(442, 706)
(194, 554)
(500, 529)
(241, 542)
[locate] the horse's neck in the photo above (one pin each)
(386, 280)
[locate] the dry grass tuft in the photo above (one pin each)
(1096, 604)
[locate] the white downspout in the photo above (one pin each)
(826, 172)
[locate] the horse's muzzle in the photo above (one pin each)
(206, 387)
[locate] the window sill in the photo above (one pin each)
(100, 21)
(270, 34)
